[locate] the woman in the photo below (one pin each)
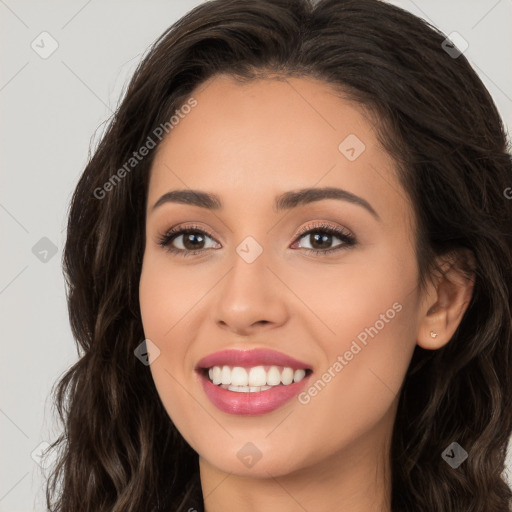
(289, 268)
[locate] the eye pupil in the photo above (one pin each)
(320, 241)
(189, 239)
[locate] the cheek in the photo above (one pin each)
(364, 392)
(342, 299)
(163, 300)
(165, 295)
(374, 317)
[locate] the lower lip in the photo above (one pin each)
(258, 402)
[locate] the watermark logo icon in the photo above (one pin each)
(44, 45)
(249, 454)
(454, 455)
(351, 147)
(41, 456)
(147, 352)
(44, 250)
(454, 45)
(249, 249)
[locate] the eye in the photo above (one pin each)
(321, 237)
(189, 240)
(192, 240)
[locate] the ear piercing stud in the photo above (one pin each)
(433, 334)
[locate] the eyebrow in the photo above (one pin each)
(286, 201)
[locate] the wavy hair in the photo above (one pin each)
(119, 450)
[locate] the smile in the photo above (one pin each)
(251, 382)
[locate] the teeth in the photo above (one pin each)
(239, 377)
(246, 389)
(287, 376)
(242, 389)
(299, 375)
(216, 376)
(257, 376)
(225, 377)
(253, 379)
(273, 376)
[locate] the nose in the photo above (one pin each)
(250, 298)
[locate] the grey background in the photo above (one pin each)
(52, 110)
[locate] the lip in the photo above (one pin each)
(250, 358)
(261, 402)
(254, 403)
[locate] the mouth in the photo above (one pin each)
(251, 382)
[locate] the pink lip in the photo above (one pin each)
(255, 403)
(260, 402)
(249, 358)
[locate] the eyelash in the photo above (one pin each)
(345, 236)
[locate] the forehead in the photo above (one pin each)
(248, 142)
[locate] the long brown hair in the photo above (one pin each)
(119, 450)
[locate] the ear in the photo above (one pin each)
(446, 299)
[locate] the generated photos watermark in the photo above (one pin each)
(355, 348)
(159, 133)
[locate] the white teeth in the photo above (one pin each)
(216, 376)
(225, 377)
(239, 377)
(273, 376)
(287, 376)
(253, 379)
(298, 375)
(257, 376)
(245, 389)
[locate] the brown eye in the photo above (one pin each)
(321, 238)
(186, 241)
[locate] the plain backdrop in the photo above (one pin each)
(52, 109)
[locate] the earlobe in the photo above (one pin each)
(448, 299)
(433, 333)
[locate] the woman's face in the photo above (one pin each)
(348, 312)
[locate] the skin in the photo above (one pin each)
(248, 143)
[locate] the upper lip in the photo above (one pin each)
(249, 358)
